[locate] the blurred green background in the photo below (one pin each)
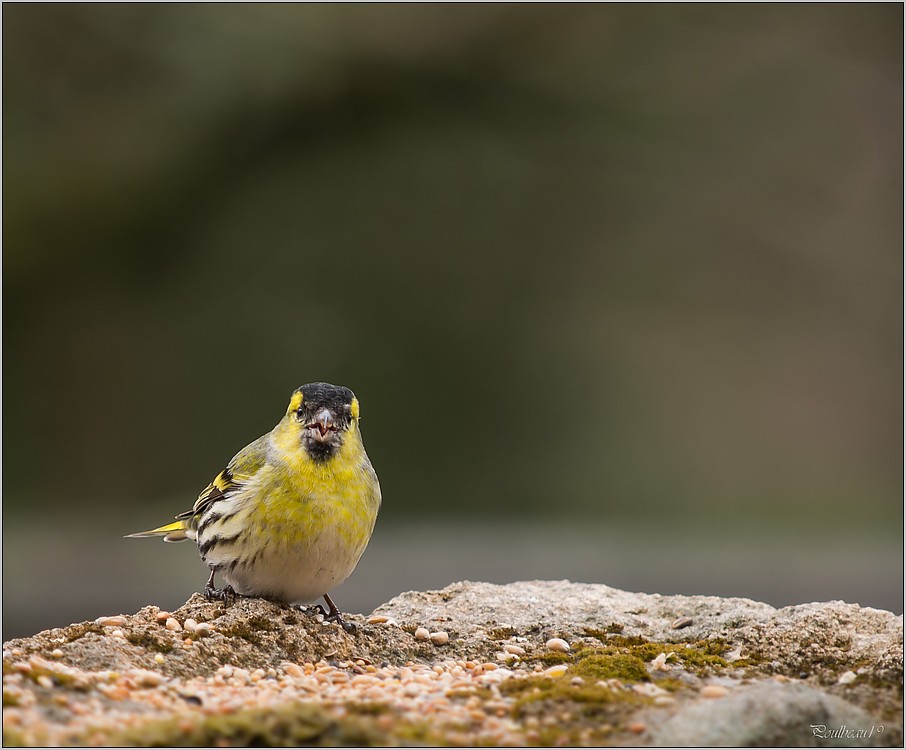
(619, 288)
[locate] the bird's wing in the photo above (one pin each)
(240, 470)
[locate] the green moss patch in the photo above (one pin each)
(698, 656)
(299, 724)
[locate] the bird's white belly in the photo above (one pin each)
(296, 574)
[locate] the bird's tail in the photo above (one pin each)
(172, 532)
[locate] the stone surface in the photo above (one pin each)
(772, 715)
(637, 672)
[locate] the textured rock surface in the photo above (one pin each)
(806, 637)
(773, 715)
(640, 669)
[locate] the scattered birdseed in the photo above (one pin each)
(190, 625)
(422, 634)
(118, 633)
(162, 616)
(714, 691)
(376, 619)
(56, 654)
(293, 670)
(440, 637)
(146, 678)
(202, 629)
(660, 662)
(465, 700)
(681, 622)
(847, 678)
(649, 689)
(113, 620)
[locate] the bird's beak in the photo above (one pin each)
(322, 425)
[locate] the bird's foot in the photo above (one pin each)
(349, 627)
(333, 615)
(227, 594)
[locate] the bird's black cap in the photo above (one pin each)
(325, 395)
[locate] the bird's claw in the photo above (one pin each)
(227, 594)
(326, 616)
(349, 627)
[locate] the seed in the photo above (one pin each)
(636, 727)
(242, 675)
(173, 624)
(514, 649)
(664, 700)
(440, 637)
(648, 688)
(556, 671)
(45, 681)
(557, 644)
(146, 678)
(660, 661)
(578, 681)
(190, 625)
(118, 633)
(114, 620)
(376, 619)
(293, 670)
(56, 654)
(162, 616)
(159, 658)
(846, 678)
(202, 629)
(714, 691)
(681, 622)
(422, 634)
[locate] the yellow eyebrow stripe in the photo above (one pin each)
(295, 402)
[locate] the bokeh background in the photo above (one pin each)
(619, 288)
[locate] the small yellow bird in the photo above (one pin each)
(291, 514)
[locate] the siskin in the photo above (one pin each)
(291, 514)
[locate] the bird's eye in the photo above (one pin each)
(300, 413)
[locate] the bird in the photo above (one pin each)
(291, 514)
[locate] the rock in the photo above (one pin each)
(310, 680)
(835, 632)
(771, 715)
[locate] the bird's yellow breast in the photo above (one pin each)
(299, 498)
